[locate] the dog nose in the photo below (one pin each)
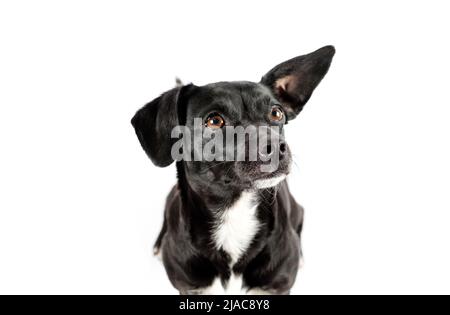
(283, 148)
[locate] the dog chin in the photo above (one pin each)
(269, 182)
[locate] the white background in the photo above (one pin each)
(80, 203)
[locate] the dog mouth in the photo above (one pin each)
(269, 182)
(269, 179)
(255, 177)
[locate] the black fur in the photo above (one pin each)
(207, 188)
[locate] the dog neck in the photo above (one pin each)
(212, 198)
(226, 221)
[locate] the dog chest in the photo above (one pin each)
(237, 226)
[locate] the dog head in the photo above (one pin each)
(257, 112)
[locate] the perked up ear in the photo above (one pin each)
(294, 81)
(154, 123)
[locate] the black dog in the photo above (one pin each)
(230, 228)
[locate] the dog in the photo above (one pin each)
(230, 228)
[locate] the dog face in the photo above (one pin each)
(259, 109)
(258, 114)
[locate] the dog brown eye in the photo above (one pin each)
(276, 114)
(215, 121)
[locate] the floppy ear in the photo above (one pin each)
(294, 81)
(154, 123)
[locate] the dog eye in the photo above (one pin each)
(276, 114)
(214, 121)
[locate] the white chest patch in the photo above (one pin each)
(237, 226)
